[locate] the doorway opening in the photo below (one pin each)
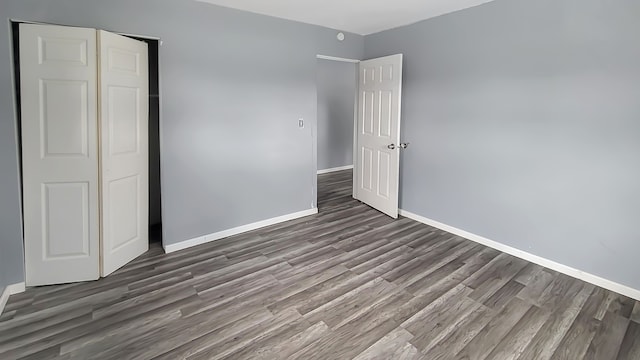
(336, 84)
(155, 197)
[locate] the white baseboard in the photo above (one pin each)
(567, 270)
(326, 171)
(8, 291)
(236, 230)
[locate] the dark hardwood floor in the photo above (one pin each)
(346, 283)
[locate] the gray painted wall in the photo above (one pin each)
(336, 84)
(524, 123)
(233, 85)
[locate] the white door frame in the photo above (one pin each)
(14, 20)
(355, 129)
(17, 120)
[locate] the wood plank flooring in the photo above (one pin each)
(348, 283)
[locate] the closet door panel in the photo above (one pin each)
(124, 114)
(58, 83)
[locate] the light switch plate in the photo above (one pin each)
(301, 123)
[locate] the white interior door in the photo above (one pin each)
(58, 83)
(124, 118)
(377, 171)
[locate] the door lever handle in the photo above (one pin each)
(400, 146)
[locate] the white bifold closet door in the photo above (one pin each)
(59, 87)
(124, 149)
(69, 130)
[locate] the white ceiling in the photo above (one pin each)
(358, 16)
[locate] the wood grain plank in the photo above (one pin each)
(491, 335)
(392, 346)
(547, 339)
(635, 314)
(575, 343)
(466, 330)
(514, 343)
(630, 348)
(607, 340)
